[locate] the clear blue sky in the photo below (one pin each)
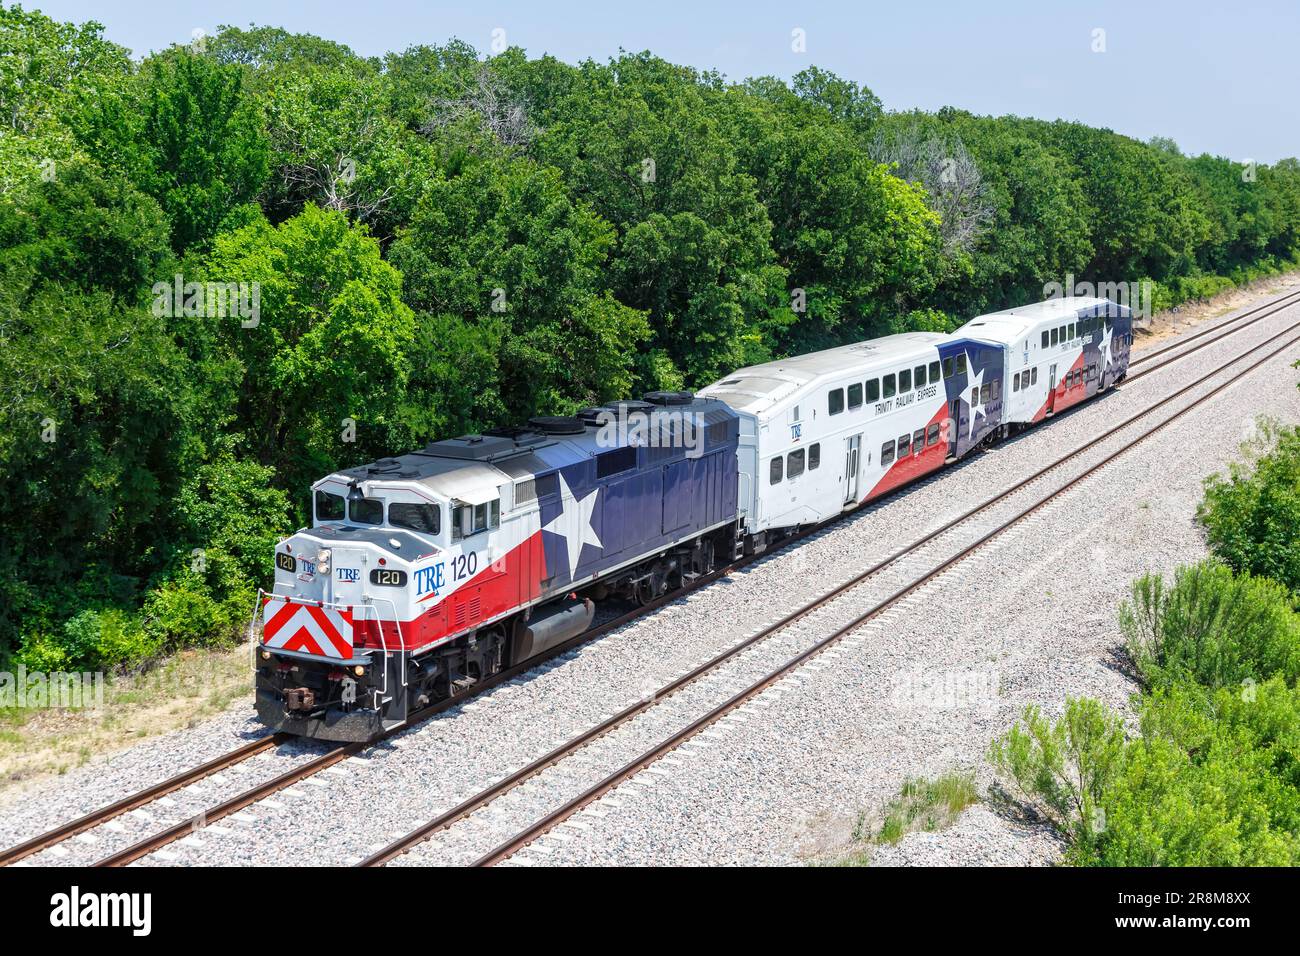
(1220, 77)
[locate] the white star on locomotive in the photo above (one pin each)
(975, 382)
(573, 523)
(1105, 349)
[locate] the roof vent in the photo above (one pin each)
(670, 398)
(557, 425)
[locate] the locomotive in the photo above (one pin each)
(423, 574)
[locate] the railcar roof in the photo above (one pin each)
(758, 387)
(463, 467)
(1011, 324)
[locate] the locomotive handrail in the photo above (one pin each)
(401, 640)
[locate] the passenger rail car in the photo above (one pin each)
(423, 574)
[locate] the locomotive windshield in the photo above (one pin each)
(329, 507)
(366, 511)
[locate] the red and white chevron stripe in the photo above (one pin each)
(309, 628)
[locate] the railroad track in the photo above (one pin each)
(645, 758)
(336, 754)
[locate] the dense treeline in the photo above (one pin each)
(441, 243)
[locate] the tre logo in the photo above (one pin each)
(428, 579)
(350, 574)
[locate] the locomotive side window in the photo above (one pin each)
(366, 511)
(933, 435)
(934, 372)
(873, 390)
(329, 507)
(918, 441)
(467, 520)
(814, 456)
(905, 380)
(777, 467)
(947, 367)
(890, 388)
(418, 517)
(855, 395)
(794, 463)
(835, 401)
(887, 453)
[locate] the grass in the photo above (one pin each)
(928, 805)
(179, 693)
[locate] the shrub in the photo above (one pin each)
(1212, 782)
(1251, 516)
(1062, 769)
(1212, 627)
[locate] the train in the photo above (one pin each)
(424, 574)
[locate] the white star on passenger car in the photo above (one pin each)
(573, 523)
(1105, 348)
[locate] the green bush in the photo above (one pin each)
(1211, 627)
(1252, 516)
(1062, 768)
(1213, 781)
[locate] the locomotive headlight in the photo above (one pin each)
(359, 671)
(323, 556)
(266, 655)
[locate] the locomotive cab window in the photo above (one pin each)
(366, 511)
(777, 470)
(470, 519)
(425, 518)
(329, 507)
(835, 401)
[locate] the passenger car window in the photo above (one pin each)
(918, 376)
(889, 386)
(904, 445)
(835, 401)
(1056, 336)
(1045, 337)
(918, 439)
(933, 435)
(887, 453)
(873, 390)
(905, 380)
(814, 456)
(794, 464)
(934, 371)
(855, 395)
(777, 470)
(961, 364)
(986, 392)
(947, 367)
